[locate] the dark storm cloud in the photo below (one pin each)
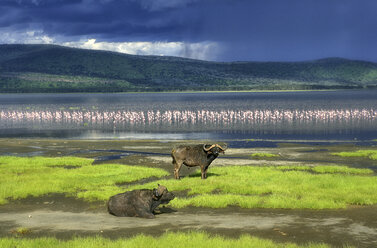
(295, 29)
(115, 20)
(246, 30)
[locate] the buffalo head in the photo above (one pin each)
(162, 194)
(214, 149)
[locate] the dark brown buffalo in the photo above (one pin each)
(139, 203)
(196, 155)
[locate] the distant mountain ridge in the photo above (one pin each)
(52, 68)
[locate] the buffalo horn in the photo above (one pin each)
(207, 149)
(221, 147)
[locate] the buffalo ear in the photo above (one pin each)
(155, 193)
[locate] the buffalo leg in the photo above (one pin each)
(177, 167)
(203, 172)
(144, 213)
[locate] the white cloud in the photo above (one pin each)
(25, 37)
(200, 50)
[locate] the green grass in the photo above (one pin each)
(263, 155)
(167, 240)
(21, 231)
(371, 154)
(36, 176)
(289, 187)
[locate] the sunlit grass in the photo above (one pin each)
(372, 154)
(21, 231)
(290, 187)
(167, 240)
(36, 176)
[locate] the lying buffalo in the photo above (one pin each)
(196, 155)
(139, 203)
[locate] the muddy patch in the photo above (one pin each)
(230, 161)
(54, 202)
(352, 226)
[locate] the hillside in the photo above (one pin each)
(50, 68)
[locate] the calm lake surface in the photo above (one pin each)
(325, 115)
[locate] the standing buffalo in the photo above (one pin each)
(196, 155)
(139, 203)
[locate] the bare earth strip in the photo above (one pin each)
(334, 227)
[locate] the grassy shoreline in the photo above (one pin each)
(371, 154)
(320, 187)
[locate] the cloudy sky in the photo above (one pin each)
(220, 30)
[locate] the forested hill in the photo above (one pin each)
(51, 68)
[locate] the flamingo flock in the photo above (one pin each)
(178, 117)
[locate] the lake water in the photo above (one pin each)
(324, 115)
